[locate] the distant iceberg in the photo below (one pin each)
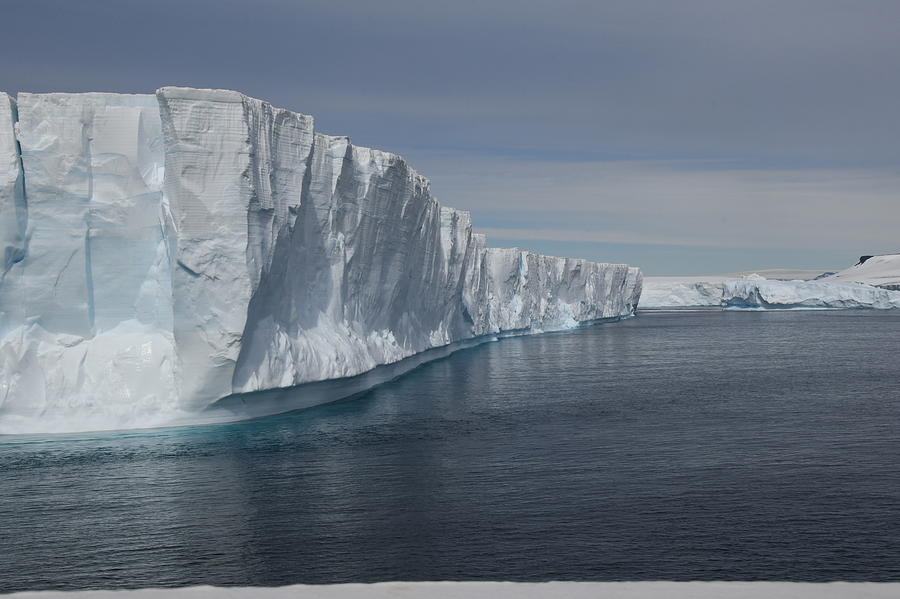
(755, 292)
(824, 294)
(163, 252)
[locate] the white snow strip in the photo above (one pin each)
(507, 590)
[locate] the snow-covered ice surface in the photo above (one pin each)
(510, 590)
(164, 252)
(879, 271)
(681, 292)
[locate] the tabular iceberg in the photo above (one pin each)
(754, 292)
(164, 253)
(760, 294)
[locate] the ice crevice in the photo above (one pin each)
(200, 251)
(13, 215)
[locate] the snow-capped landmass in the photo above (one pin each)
(781, 274)
(164, 252)
(878, 271)
(681, 292)
(510, 590)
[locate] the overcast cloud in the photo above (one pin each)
(683, 136)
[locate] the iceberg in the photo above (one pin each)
(169, 256)
(760, 294)
(754, 292)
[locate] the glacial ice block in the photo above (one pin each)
(93, 168)
(198, 244)
(86, 310)
(682, 292)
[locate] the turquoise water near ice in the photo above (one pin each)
(695, 445)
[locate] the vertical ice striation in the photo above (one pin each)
(208, 186)
(86, 309)
(268, 256)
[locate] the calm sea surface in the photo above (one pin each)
(702, 445)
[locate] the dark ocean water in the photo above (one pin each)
(702, 445)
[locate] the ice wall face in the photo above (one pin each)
(212, 184)
(94, 170)
(268, 256)
(85, 309)
(682, 292)
(323, 260)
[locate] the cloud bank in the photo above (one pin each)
(701, 123)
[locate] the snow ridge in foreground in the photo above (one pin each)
(511, 590)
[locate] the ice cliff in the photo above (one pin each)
(681, 292)
(163, 253)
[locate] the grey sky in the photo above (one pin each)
(683, 136)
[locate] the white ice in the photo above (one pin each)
(681, 292)
(762, 294)
(189, 246)
(754, 292)
(510, 590)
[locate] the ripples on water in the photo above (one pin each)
(672, 446)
